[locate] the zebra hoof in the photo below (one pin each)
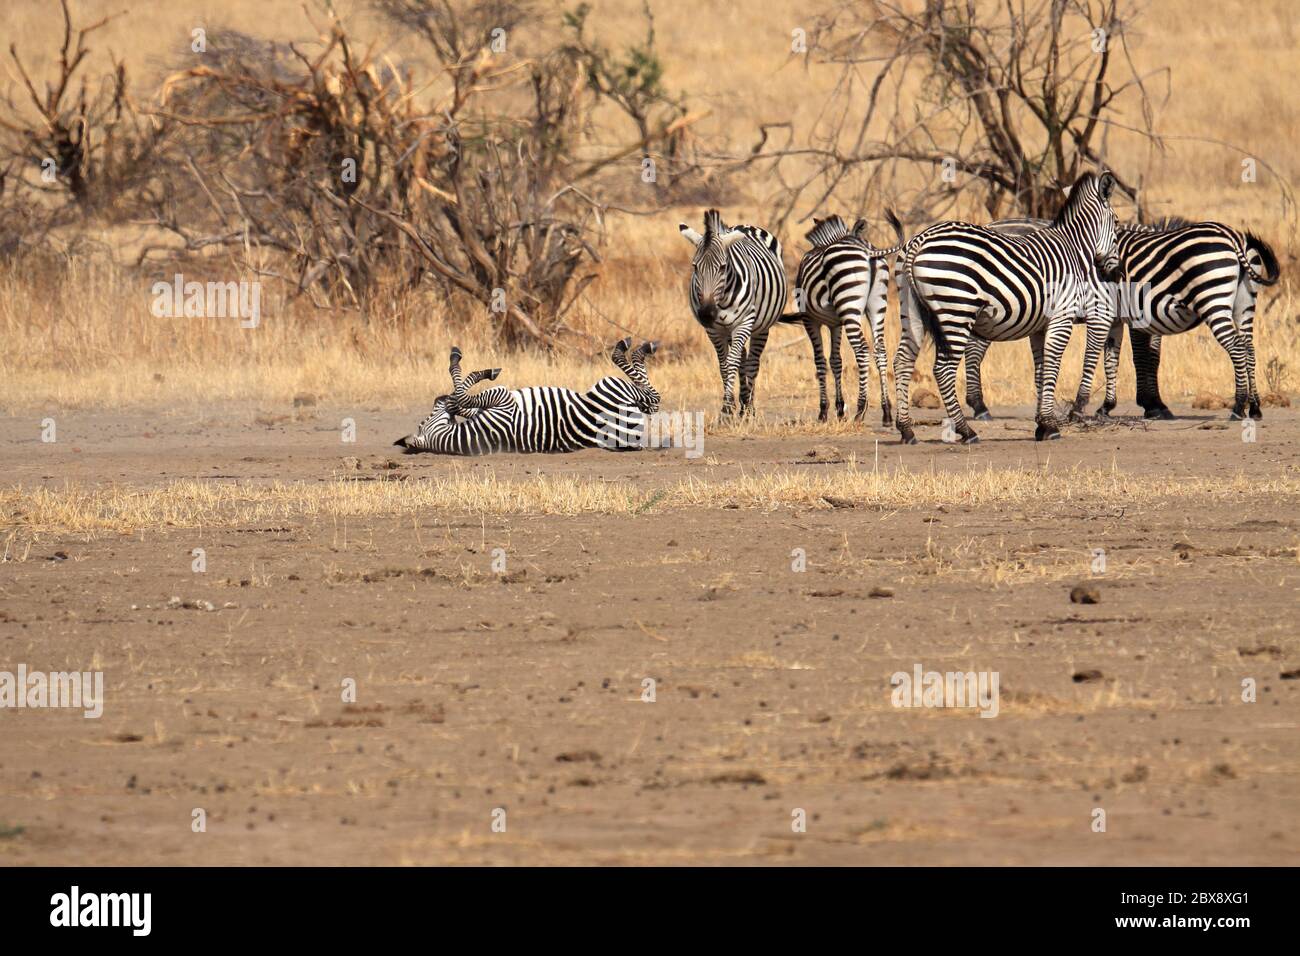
(886, 419)
(982, 416)
(1256, 412)
(822, 416)
(971, 439)
(1235, 416)
(1162, 413)
(1047, 433)
(907, 436)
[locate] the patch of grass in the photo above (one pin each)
(189, 504)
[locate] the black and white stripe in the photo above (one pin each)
(611, 414)
(961, 281)
(738, 291)
(1177, 275)
(843, 280)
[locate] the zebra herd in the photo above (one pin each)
(967, 286)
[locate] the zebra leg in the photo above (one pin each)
(976, 349)
(727, 369)
(819, 363)
(1052, 348)
(1226, 334)
(945, 374)
(1114, 342)
(861, 358)
(1146, 368)
(753, 357)
(837, 369)
(877, 306)
(1096, 335)
(1244, 317)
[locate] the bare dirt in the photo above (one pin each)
(478, 691)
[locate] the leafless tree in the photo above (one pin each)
(945, 98)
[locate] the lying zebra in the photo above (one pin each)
(611, 414)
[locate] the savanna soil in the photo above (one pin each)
(478, 690)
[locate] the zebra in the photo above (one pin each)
(1177, 274)
(611, 414)
(738, 291)
(841, 280)
(969, 282)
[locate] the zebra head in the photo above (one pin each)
(644, 396)
(1087, 214)
(421, 438)
(711, 267)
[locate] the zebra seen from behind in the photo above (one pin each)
(843, 280)
(1178, 274)
(611, 414)
(738, 290)
(959, 282)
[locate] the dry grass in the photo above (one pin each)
(83, 336)
(194, 504)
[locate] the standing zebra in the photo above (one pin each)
(738, 291)
(841, 279)
(1177, 274)
(964, 282)
(611, 414)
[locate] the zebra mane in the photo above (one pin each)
(1075, 199)
(713, 225)
(829, 230)
(1163, 224)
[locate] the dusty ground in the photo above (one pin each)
(523, 692)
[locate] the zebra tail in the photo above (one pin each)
(928, 318)
(893, 220)
(1266, 253)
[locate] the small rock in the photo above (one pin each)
(1084, 594)
(1086, 677)
(835, 502)
(1207, 400)
(881, 593)
(352, 463)
(924, 398)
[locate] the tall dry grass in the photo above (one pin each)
(81, 334)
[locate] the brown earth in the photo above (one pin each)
(477, 691)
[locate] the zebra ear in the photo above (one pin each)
(1106, 185)
(694, 237)
(859, 227)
